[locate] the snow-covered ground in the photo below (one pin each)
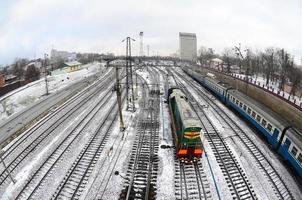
(19, 99)
(117, 149)
(165, 180)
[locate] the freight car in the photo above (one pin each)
(285, 139)
(186, 127)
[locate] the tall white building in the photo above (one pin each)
(188, 46)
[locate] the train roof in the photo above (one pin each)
(260, 108)
(267, 113)
(187, 114)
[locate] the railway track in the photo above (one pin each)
(42, 174)
(238, 183)
(53, 114)
(13, 161)
(191, 181)
(107, 169)
(279, 186)
(143, 163)
(77, 176)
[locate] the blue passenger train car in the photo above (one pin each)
(284, 139)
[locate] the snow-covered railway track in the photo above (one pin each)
(14, 159)
(191, 181)
(61, 108)
(230, 167)
(276, 181)
(75, 180)
(239, 184)
(143, 163)
(106, 169)
(279, 186)
(52, 161)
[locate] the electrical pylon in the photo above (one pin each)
(129, 77)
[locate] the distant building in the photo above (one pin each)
(72, 66)
(68, 67)
(56, 55)
(188, 46)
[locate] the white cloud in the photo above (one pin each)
(79, 25)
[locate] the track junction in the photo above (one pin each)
(78, 150)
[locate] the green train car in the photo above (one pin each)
(186, 127)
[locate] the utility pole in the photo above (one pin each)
(129, 77)
(119, 100)
(141, 44)
(136, 90)
(46, 82)
(148, 49)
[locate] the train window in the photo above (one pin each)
(300, 158)
(263, 122)
(258, 118)
(249, 111)
(269, 127)
(240, 105)
(294, 151)
(237, 102)
(244, 107)
(253, 114)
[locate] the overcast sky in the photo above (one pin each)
(28, 28)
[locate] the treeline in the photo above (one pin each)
(21, 68)
(274, 64)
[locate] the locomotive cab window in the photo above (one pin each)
(294, 151)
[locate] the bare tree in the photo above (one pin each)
(18, 67)
(229, 58)
(295, 77)
(32, 73)
(267, 62)
(286, 64)
(205, 55)
(202, 52)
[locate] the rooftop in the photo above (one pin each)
(72, 63)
